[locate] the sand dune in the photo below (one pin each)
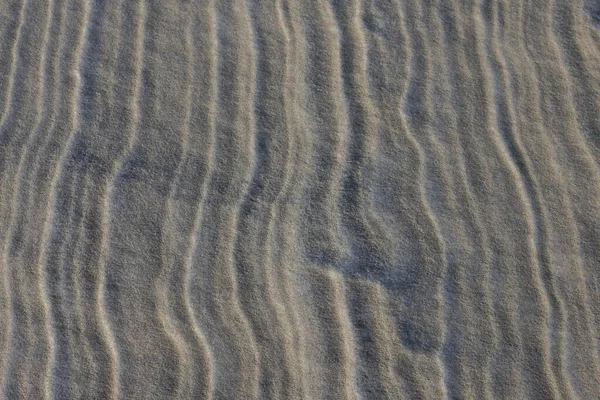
(377, 199)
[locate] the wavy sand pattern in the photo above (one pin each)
(250, 199)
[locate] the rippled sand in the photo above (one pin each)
(358, 199)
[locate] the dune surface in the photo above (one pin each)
(252, 199)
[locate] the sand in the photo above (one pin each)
(358, 199)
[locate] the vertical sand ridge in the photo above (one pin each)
(420, 283)
(139, 207)
(506, 126)
(284, 231)
(106, 160)
(506, 379)
(13, 33)
(10, 28)
(186, 199)
(168, 297)
(63, 256)
(560, 116)
(21, 120)
(563, 246)
(116, 93)
(203, 146)
(366, 238)
(373, 251)
(83, 380)
(547, 183)
(404, 201)
(254, 266)
(387, 66)
(50, 203)
(470, 331)
(26, 252)
(12, 183)
(331, 348)
(59, 272)
(398, 199)
(320, 223)
(81, 343)
(219, 314)
(532, 307)
(584, 75)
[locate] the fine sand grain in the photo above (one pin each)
(344, 199)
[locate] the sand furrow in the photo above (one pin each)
(89, 154)
(322, 207)
(26, 251)
(25, 108)
(467, 302)
(374, 255)
(29, 155)
(375, 374)
(330, 347)
(9, 30)
(372, 249)
(581, 66)
(468, 253)
(388, 66)
(117, 51)
(85, 380)
(416, 378)
(280, 265)
(65, 273)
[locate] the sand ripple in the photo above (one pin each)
(377, 199)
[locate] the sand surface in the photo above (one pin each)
(346, 199)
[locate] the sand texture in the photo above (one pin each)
(299, 199)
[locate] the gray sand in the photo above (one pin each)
(357, 199)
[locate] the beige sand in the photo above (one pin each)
(357, 199)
